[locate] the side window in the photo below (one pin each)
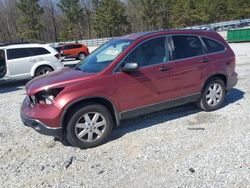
(187, 46)
(71, 47)
(213, 46)
(78, 46)
(148, 53)
(39, 51)
(18, 53)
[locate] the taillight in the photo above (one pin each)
(58, 56)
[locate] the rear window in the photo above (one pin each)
(39, 51)
(187, 46)
(58, 49)
(213, 46)
(18, 53)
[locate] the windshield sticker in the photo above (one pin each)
(112, 52)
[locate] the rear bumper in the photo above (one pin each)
(38, 125)
(232, 81)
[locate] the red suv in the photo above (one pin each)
(77, 51)
(127, 77)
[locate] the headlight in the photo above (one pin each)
(45, 96)
(48, 99)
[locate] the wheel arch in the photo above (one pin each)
(37, 66)
(82, 52)
(221, 76)
(98, 100)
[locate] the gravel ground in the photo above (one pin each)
(181, 147)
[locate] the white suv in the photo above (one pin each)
(23, 61)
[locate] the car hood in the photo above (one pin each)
(61, 78)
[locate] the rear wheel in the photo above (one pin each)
(81, 56)
(43, 70)
(89, 126)
(213, 95)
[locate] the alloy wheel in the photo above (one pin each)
(43, 71)
(90, 127)
(214, 94)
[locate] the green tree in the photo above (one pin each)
(218, 11)
(95, 4)
(110, 19)
(151, 13)
(134, 12)
(166, 11)
(191, 12)
(72, 16)
(181, 13)
(30, 20)
(198, 13)
(243, 9)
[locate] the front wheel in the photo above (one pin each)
(213, 95)
(89, 126)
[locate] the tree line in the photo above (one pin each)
(62, 20)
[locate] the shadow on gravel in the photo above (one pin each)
(11, 86)
(146, 121)
(149, 120)
(233, 96)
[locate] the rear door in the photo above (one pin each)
(20, 61)
(3, 68)
(77, 49)
(191, 65)
(40, 54)
(69, 50)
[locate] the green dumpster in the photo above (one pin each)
(238, 35)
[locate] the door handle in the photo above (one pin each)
(205, 60)
(164, 68)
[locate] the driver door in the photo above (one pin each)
(147, 89)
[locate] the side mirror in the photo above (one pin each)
(130, 67)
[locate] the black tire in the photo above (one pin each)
(43, 70)
(81, 56)
(204, 101)
(77, 115)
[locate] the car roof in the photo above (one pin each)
(11, 46)
(135, 36)
(68, 44)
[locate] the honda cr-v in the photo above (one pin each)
(127, 77)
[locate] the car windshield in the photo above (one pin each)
(103, 56)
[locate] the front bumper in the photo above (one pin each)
(38, 125)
